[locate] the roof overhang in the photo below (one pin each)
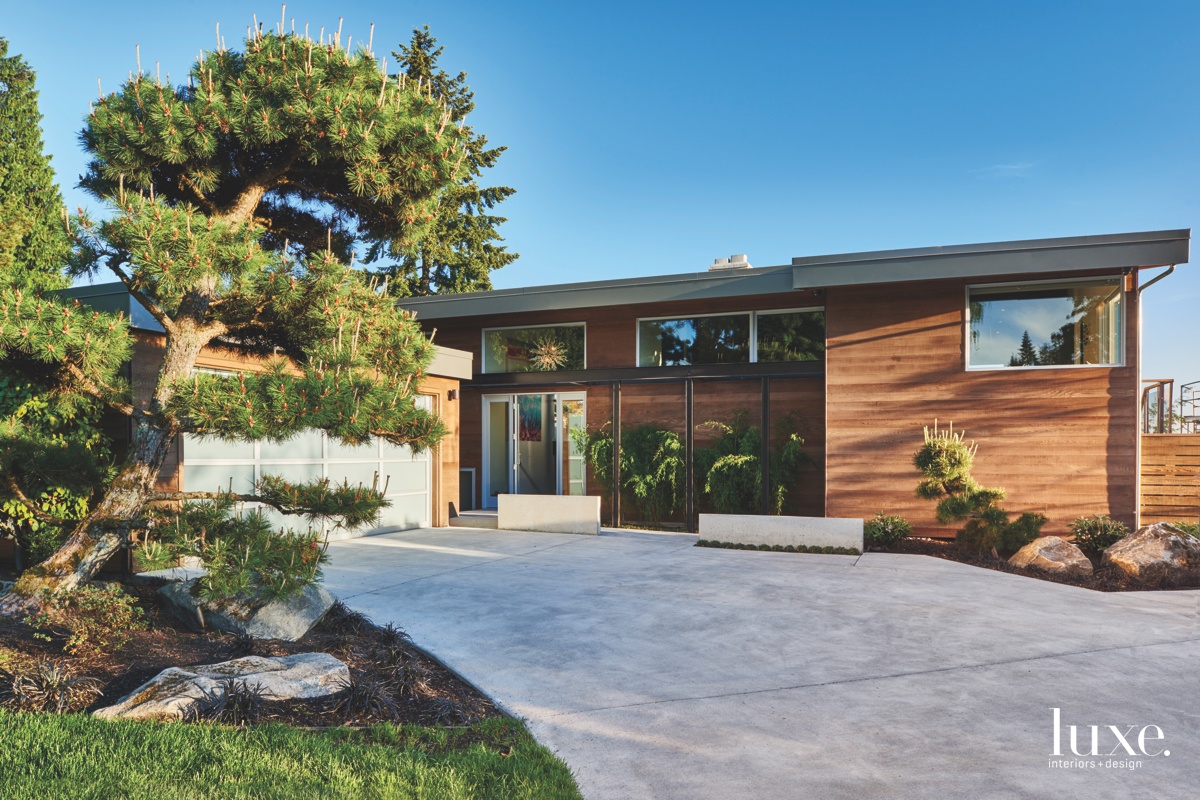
(1035, 256)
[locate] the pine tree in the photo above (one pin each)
(218, 190)
(1027, 355)
(33, 239)
(463, 250)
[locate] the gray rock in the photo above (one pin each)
(168, 695)
(1054, 555)
(288, 619)
(1155, 553)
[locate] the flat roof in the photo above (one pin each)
(1067, 254)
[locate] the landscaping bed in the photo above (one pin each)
(409, 685)
(1103, 579)
(406, 726)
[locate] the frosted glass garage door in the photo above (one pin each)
(211, 464)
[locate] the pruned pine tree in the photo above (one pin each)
(222, 192)
(465, 246)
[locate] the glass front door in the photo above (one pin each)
(528, 446)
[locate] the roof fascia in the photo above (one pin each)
(1075, 254)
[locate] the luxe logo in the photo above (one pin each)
(1098, 738)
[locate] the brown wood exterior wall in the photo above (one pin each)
(611, 330)
(1170, 477)
(1061, 441)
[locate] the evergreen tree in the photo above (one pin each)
(218, 189)
(1027, 355)
(33, 238)
(464, 247)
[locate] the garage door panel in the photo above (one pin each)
(412, 476)
(306, 445)
(406, 511)
(293, 473)
(213, 477)
(354, 474)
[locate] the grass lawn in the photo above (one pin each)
(75, 756)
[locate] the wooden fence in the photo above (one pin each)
(1170, 477)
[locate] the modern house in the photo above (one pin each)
(1031, 347)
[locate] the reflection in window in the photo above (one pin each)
(791, 336)
(1046, 325)
(543, 349)
(694, 340)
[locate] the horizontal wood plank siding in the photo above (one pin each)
(1170, 477)
(1062, 442)
(611, 330)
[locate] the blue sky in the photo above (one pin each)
(649, 138)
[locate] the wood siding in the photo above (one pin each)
(611, 330)
(1061, 441)
(1170, 477)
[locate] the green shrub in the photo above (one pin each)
(945, 462)
(652, 467)
(729, 471)
(1190, 528)
(243, 554)
(93, 619)
(885, 531)
(1097, 533)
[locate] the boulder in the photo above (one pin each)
(1156, 553)
(1053, 555)
(288, 618)
(168, 695)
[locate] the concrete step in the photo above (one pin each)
(475, 519)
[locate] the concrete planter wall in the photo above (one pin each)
(796, 531)
(549, 513)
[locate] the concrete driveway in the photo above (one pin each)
(661, 670)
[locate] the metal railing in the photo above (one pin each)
(1161, 413)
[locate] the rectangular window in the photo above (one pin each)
(790, 336)
(723, 339)
(545, 348)
(1046, 324)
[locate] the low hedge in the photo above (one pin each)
(779, 548)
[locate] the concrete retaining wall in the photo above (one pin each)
(549, 513)
(807, 531)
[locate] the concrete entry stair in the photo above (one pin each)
(475, 519)
(549, 513)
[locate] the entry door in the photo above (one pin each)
(528, 447)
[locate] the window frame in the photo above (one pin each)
(483, 332)
(968, 367)
(753, 344)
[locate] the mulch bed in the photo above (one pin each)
(1103, 578)
(394, 680)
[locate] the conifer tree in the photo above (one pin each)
(33, 239)
(1027, 355)
(465, 246)
(221, 191)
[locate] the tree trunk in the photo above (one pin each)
(111, 523)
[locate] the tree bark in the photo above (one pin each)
(112, 522)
